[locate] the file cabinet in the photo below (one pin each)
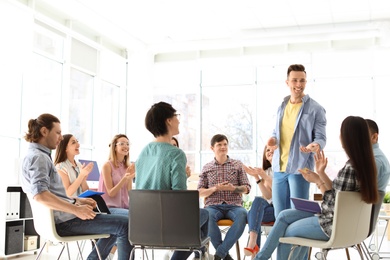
(18, 223)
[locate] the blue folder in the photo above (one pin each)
(89, 193)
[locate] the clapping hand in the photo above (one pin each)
(130, 171)
(309, 175)
(85, 170)
(321, 161)
(254, 171)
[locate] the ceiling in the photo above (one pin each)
(164, 25)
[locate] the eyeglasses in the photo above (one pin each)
(122, 144)
(177, 116)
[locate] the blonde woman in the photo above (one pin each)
(117, 175)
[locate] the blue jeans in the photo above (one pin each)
(238, 214)
(261, 211)
(286, 185)
(204, 219)
(291, 222)
(115, 225)
(119, 211)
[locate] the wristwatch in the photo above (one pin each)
(257, 182)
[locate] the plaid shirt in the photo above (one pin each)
(345, 181)
(214, 173)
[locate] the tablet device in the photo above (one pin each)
(306, 205)
(94, 174)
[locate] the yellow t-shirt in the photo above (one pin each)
(287, 132)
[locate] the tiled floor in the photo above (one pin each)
(162, 255)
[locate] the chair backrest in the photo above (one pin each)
(164, 218)
(375, 212)
(351, 222)
(43, 220)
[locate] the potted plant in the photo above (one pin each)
(386, 207)
(386, 201)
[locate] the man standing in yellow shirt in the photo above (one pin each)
(300, 131)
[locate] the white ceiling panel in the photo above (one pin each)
(163, 22)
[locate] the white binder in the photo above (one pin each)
(14, 205)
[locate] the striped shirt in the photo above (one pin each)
(214, 173)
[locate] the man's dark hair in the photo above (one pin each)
(295, 67)
(372, 126)
(34, 127)
(218, 138)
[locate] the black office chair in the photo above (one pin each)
(165, 219)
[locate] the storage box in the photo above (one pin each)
(14, 239)
(30, 242)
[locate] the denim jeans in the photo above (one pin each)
(261, 211)
(119, 211)
(291, 222)
(285, 186)
(238, 214)
(204, 219)
(115, 225)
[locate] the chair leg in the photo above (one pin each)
(292, 251)
(40, 251)
(238, 250)
(80, 248)
(62, 250)
(347, 253)
(366, 251)
(67, 249)
(360, 252)
(132, 253)
(97, 249)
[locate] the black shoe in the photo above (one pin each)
(228, 257)
(216, 257)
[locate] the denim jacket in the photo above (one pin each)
(309, 127)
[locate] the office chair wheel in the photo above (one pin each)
(372, 247)
(319, 255)
(375, 256)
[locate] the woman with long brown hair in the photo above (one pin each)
(73, 173)
(358, 174)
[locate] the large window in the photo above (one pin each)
(47, 70)
(232, 113)
(81, 96)
(241, 101)
(107, 117)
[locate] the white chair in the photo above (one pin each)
(45, 226)
(351, 225)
